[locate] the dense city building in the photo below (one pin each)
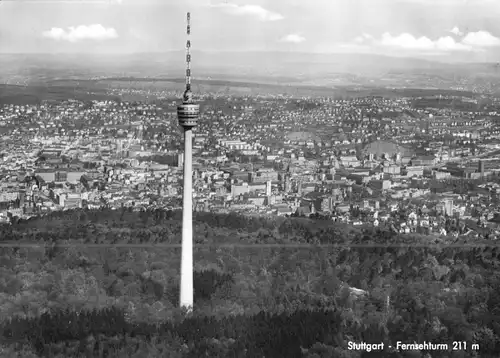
(338, 161)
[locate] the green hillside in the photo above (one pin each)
(70, 287)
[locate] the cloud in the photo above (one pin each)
(481, 39)
(252, 10)
(472, 41)
(456, 31)
(363, 38)
(408, 41)
(83, 32)
(293, 38)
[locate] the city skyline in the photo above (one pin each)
(454, 30)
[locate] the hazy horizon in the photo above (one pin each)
(292, 54)
(439, 60)
(234, 65)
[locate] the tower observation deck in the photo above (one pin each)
(188, 112)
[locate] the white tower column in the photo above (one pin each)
(187, 289)
(188, 113)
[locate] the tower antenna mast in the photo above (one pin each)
(188, 54)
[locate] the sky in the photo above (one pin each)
(455, 30)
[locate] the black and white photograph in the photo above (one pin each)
(249, 178)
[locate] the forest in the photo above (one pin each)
(105, 283)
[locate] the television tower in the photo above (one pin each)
(187, 113)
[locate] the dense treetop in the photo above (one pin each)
(62, 292)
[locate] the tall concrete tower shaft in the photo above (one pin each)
(187, 113)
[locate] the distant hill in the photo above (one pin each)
(247, 73)
(233, 65)
(14, 94)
